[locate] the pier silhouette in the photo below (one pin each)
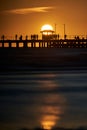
(47, 41)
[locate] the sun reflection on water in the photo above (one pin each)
(51, 115)
(49, 121)
(52, 103)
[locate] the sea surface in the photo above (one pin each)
(43, 98)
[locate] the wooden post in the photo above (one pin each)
(9, 44)
(17, 44)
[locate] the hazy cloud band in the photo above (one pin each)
(29, 10)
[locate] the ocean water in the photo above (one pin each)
(30, 99)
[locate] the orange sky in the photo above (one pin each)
(27, 16)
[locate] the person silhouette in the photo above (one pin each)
(16, 36)
(20, 38)
(2, 37)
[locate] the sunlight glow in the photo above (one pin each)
(49, 121)
(47, 29)
(47, 125)
(51, 113)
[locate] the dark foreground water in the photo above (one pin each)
(30, 99)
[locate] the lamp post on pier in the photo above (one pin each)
(55, 28)
(65, 31)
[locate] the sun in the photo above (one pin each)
(46, 27)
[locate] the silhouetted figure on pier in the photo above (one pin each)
(65, 36)
(31, 37)
(54, 36)
(20, 38)
(26, 37)
(77, 37)
(16, 37)
(3, 37)
(83, 38)
(36, 37)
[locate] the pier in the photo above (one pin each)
(48, 51)
(48, 39)
(49, 43)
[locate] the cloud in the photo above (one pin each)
(29, 10)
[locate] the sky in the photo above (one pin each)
(26, 17)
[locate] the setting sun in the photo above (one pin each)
(47, 29)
